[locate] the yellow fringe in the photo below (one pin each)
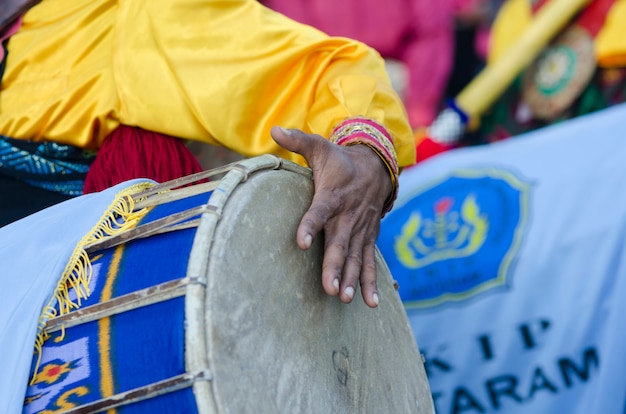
(78, 272)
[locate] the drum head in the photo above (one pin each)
(276, 342)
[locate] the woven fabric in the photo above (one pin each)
(49, 166)
(129, 350)
(37, 255)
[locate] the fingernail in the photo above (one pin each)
(375, 298)
(286, 131)
(308, 239)
(349, 292)
(336, 284)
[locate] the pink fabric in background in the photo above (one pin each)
(419, 33)
(467, 6)
(9, 32)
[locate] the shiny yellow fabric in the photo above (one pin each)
(222, 72)
(515, 16)
(611, 41)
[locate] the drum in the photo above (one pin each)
(209, 306)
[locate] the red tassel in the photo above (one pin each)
(131, 152)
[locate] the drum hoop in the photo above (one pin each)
(196, 339)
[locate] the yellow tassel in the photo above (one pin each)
(77, 274)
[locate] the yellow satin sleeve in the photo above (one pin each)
(515, 16)
(217, 71)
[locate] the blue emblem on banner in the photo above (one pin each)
(455, 238)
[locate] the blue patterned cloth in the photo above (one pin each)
(54, 167)
(34, 253)
(131, 349)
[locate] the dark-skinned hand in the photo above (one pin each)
(351, 186)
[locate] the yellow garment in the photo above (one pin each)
(611, 41)
(515, 15)
(218, 71)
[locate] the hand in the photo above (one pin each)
(351, 186)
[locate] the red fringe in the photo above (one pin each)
(131, 152)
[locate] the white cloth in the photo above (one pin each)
(34, 253)
(510, 262)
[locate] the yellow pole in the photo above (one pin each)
(491, 82)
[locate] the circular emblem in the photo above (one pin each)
(559, 74)
(456, 236)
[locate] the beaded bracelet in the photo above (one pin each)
(363, 131)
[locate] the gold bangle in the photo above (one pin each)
(363, 131)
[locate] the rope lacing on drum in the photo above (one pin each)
(273, 162)
(243, 170)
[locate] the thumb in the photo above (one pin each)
(299, 142)
(284, 138)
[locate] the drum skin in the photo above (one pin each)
(225, 314)
(276, 341)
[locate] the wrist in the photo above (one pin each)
(363, 131)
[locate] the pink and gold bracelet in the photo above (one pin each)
(363, 131)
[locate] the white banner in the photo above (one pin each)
(511, 262)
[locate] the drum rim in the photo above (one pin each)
(196, 348)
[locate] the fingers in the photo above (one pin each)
(369, 289)
(346, 205)
(332, 268)
(348, 262)
(323, 205)
(348, 259)
(352, 262)
(313, 222)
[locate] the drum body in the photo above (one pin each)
(209, 306)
